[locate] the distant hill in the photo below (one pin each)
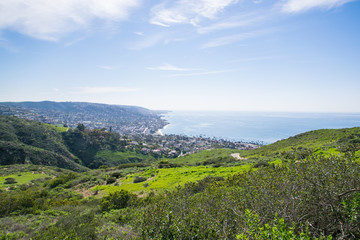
(120, 118)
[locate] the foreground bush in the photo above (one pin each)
(316, 196)
(117, 200)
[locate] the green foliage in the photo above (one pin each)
(10, 180)
(312, 193)
(80, 224)
(206, 157)
(114, 158)
(117, 200)
(116, 174)
(20, 202)
(305, 199)
(24, 141)
(110, 180)
(138, 179)
(169, 178)
(62, 179)
(277, 229)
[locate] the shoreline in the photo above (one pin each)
(159, 131)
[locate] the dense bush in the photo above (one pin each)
(10, 181)
(62, 179)
(21, 202)
(79, 224)
(117, 200)
(110, 180)
(116, 174)
(316, 196)
(138, 179)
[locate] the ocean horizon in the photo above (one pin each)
(263, 127)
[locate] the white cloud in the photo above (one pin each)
(222, 41)
(97, 90)
(169, 67)
(188, 11)
(106, 67)
(49, 20)
(200, 73)
(235, 22)
(260, 58)
(149, 41)
(304, 5)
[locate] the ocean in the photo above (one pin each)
(264, 127)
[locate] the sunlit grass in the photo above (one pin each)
(169, 178)
(21, 178)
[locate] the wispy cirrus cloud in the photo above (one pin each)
(98, 90)
(50, 20)
(294, 6)
(235, 22)
(259, 58)
(199, 73)
(230, 39)
(169, 67)
(187, 11)
(109, 68)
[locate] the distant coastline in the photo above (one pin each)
(265, 127)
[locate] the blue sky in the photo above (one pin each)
(239, 55)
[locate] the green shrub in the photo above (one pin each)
(138, 179)
(62, 179)
(110, 180)
(116, 174)
(117, 200)
(10, 181)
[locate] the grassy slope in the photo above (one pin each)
(116, 158)
(323, 141)
(326, 139)
(27, 173)
(169, 178)
(202, 156)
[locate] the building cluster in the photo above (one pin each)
(123, 123)
(139, 128)
(177, 145)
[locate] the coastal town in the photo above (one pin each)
(140, 128)
(126, 120)
(178, 145)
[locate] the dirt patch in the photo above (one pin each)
(237, 156)
(85, 192)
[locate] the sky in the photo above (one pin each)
(229, 55)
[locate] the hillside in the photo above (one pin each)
(278, 192)
(24, 141)
(324, 141)
(120, 118)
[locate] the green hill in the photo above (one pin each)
(324, 141)
(313, 194)
(24, 141)
(29, 142)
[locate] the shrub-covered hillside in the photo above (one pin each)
(304, 187)
(25, 141)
